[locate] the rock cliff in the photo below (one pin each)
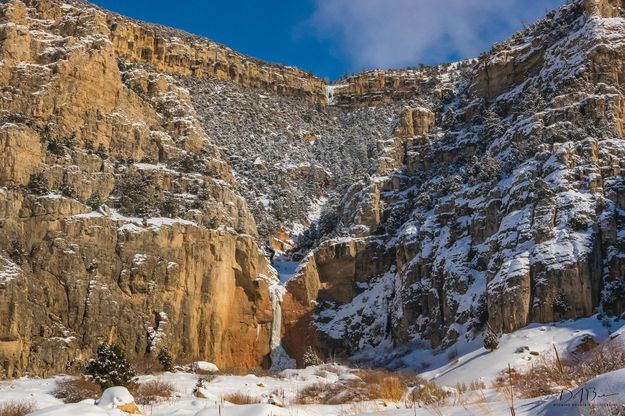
(142, 170)
(120, 220)
(498, 200)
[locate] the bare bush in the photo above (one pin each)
(604, 359)
(153, 392)
(550, 373)
(16, 408)
(77, 389)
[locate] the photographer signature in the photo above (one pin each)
(583, 395)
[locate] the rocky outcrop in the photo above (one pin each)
(332, 276)
(81, 280)
(119, 219)
(605, 8)
(374, 88)
(415, 122)
(177, 52)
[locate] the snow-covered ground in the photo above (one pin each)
(471, 364)
(519, 349)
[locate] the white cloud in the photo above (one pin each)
(396, 33)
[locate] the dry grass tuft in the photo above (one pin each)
(153, 392)
(408, 378)
(77, 389)
(314, 393)
(240, 398)
(477, 385)
(544, 377)
(368, 386)
(427, 394)
(352, 391)
(15, 408)
(392, 388)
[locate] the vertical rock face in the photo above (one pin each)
(415, 122)
(95, 246)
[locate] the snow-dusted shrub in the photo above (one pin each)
(109, 367)
(38, 184)
(481, 312)
(342, 392)
(67, 190)
(77, 389)
(311, 358)
(427, 394)
(94, 200)
(613, 295)
(170, 207)
(138, 194)
(545, 376)
(603, 359)
(549, 373)
(164, 357)
(16, 252)
(153, 392)
(314, 393)
(561, 304)
(58, 146)
(491, 342)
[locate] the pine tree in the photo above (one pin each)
(38, 184)
(491, 342)
(311, 358)
(94, 200)
(164, 357)
(109, 368)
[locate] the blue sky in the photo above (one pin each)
(331, 37)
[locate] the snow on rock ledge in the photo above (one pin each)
(118, 398)
(205, 366)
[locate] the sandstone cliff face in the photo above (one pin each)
(176, 52)
(95, 245)
(374, 88)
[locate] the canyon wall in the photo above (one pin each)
(136, 162)
(120, 221)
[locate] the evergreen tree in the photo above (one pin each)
(491, 342)
(109, 368)
(164, 357)
(311, 358)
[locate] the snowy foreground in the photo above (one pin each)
(596, 397)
